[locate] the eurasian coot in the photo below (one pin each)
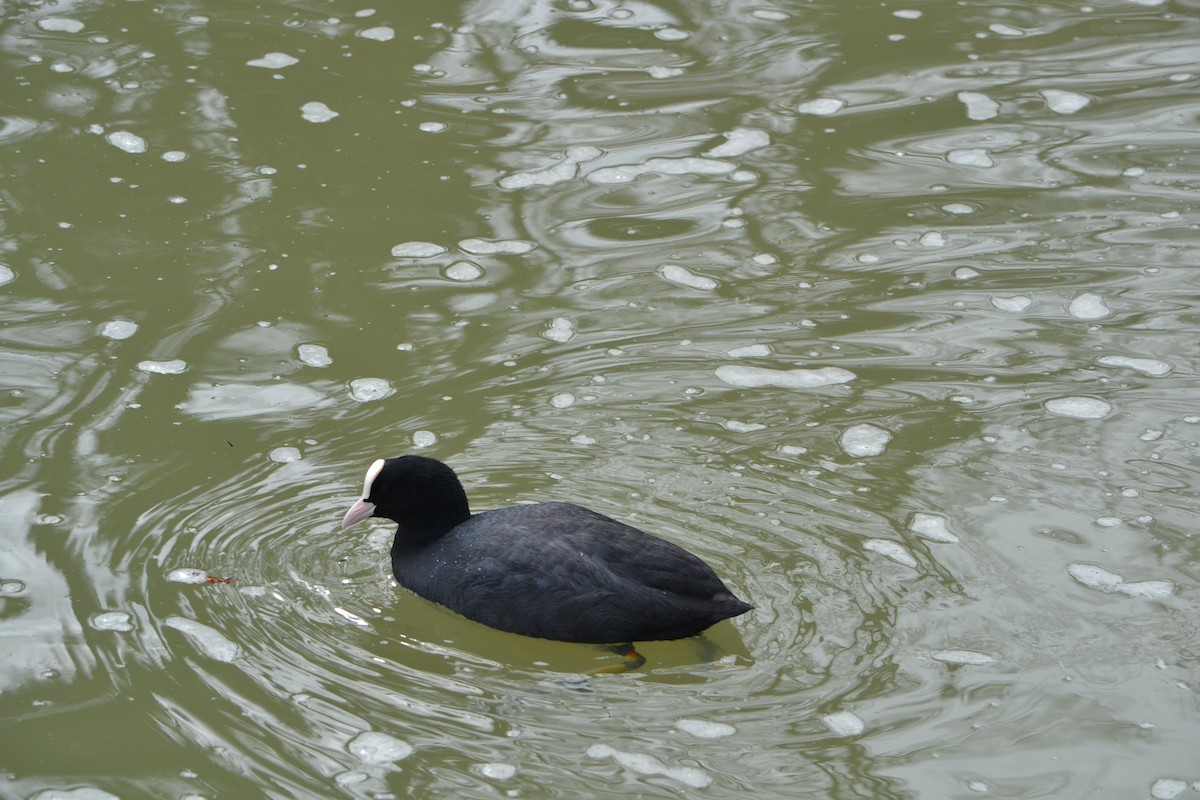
(551, 570)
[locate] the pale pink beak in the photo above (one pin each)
(358, 512)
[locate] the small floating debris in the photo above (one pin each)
(1088, 306)
(862, 441)
(1078, 407)
(373, 747)
(118, 329)
(1103, 580)
(173, 366)
(1062, 102)
(315, 111)
(754, 377)
(685, 277)
(1146, 366)
(118, 621)
(891, 550)
(273, 61)
(560, 330)
(314, 355)
(704, 729)
(508, 247)
(1013, 305)
(129, 142)
(821, 107)
(979, 106)
(844, 723)
(187, 575)
(424, 439)
(366, 390)
(285, 455)
(417, 250)
(380, 33)
(932, 527)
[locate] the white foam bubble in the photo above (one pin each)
(559, 330)
(314, 355)
(822, 106)
(660, 72)
(891, 550)
(432, 127)
(463, 271)
(381, 33)
(965, 273)
(1088, 306)
(844, 723)
(285, 455)
(1146, 366)
(960, 209)
(646, 764)
(187, 575)
(907, 13)
(1013, 305)
(749, 351)
(173, 366)
(373, 747)
(417, 250)
(979, 105)
(118, 329)
(970, 658)
(932, 239)
(129, 142)
(582, 439)
(742, 427)
(703, 729)
(365, 390)
(864, 440)
(792, 450)
(671, 35)
(1167, 788)
(424, 439)
(971, 157)
(60, 24)
(510, 247)
(118, 621)
(209, 641)
(1078, 407)
(6, 274)
(932, 527)
(563, 400)
(662, 166)
(754, 377)
(739, 141)
(685, 277)
(769, 14)
(1103, 580)
(561, 172)
(1061, 102)
(497, 770)
(316, 111)
(273, 61)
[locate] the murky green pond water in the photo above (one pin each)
(889, 311)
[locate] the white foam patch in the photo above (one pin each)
(173, 366)
(1079, 407)
(1103, 580)
(118, 621)
(6, 274)
(749, 351)
(60, 24)
(1013, 305)
(380, 33)
(979, 105)
(1088, 306)
(646, 764)
(932, 527)
(285, 455)
(373, 747)
(432, 127)
(1168, 788)
(129, 142)
(497, 770)
(563, 400)
(738, 142)
(118, 329)
(424, 439)
(971, 157)
(965, 274)
(78, 793)
(489, 247)
(662, 166)
(703, 729)
(671, 35)
(365, 390)
(864, 440)
(891, 550)
(959, 209)
(822, 106)
(417, 250)
(463, 271)
(187, 575)
(932, 239)
(844, 723)
(1146, 366)
(1061, 102)
(754, 377)
(769, 14)
(314, 355)
(273, 61)
(659, 71)
(316, 111)
(582, 439)
(209, 641)
(742, 427)
(685, 277)
(565, 170)
(559, 330)
(174, 156)
(969, 658)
